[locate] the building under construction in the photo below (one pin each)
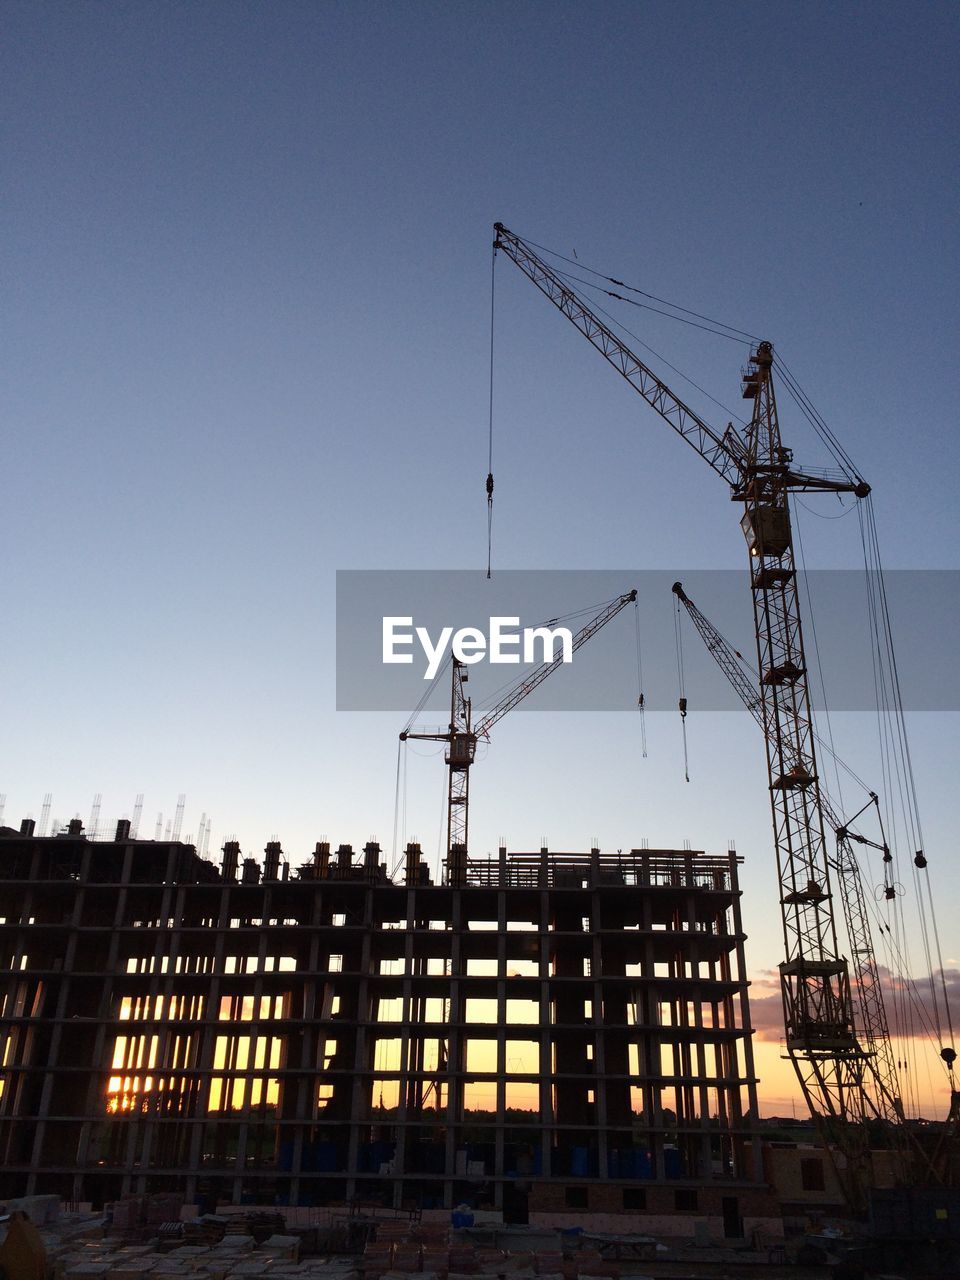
(545, 1032)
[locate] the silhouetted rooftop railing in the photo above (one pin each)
(641, 868)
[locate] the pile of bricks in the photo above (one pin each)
(377, 1257)
(400, 1251)
(138, 1216)
(236, 1257)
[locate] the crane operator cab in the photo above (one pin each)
(463, 747)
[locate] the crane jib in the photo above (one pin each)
(724, 453)
(684, 420)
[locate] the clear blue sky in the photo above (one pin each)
(246, 259)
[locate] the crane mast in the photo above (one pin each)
(814, 982)
(462, 734)
(821, 1039)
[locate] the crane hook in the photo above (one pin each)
(489, 521)
(683, 725)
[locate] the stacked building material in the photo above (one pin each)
(377, 1258)
(236, 1257)
(395, 1232)
(407, 1257)
(457, 1257)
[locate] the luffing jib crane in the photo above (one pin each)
(881, 1091)
(462, 735)
(821, 1035)
(872, 1024)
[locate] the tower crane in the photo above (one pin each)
(820, 1031)
(881, 1087)
(462, 735)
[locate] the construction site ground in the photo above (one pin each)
(231, 1246)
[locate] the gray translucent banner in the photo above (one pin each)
(924, 607)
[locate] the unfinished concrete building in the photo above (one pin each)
(550, 1032)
